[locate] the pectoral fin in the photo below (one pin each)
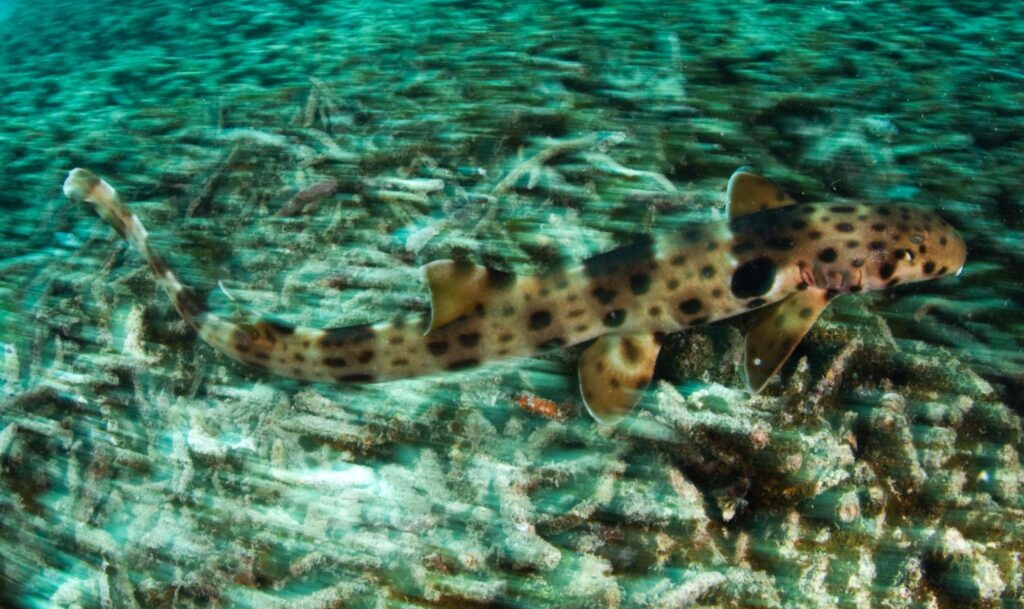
(458, 289)
(614, 371)
(749, 193)
(778, 331)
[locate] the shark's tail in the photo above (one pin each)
(84, 186)
(348, 354)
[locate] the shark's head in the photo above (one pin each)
(855, 248)
(908, 245)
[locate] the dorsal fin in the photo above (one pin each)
(459, 288)
(613, 373)
(778, 331)
(748, 193)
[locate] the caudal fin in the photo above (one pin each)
(82, 185)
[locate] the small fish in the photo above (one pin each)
(788, 259)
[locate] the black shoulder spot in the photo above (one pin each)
(753, 278)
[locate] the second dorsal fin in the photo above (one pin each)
(749, 192)
(459, 288)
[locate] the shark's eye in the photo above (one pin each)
(903, 255)
(917, 239)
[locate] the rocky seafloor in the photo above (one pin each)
(304, 158)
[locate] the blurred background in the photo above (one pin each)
(304, 158)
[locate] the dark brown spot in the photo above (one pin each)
(261, 355)
(469, 339)
(190, 307)
(844, 227)
(614, 383)
(828, 255)
(654, 311)
(335, 362)
(892, 282)
(886, 270)
(877, 245)
(923, 249)
(355, 378)
(500, 280)
(943, 240)
(753, 278)
(401, 361)
(878, 227)
(158, 265)
(744, 247)
(857, 263)
(928, 268)
(396, 340)
(438, 347)
(806, 312)
(852, 245)
(614, 319)
(855, 288)
(365, 357)
(691, 306)
(630, 352)
(604, 295)
(551, 343)
(659, 337)
(943, 271)
(780, 244)
(462, 364)
(640, 283)
(756, 302)
(672, 284)
(241, 348)
(716, 293)
(299, 357)
(692, 235)
(279, 327)
(504, 338)
(801, 286)
(629, 256)
(678, 260)
(334, 337)
(540, 320)
(814, 235)
(843, 209)
(575, 313)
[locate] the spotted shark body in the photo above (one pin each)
(773, 254)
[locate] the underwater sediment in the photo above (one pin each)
(303, 159)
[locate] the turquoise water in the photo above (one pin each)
(303, 159)
(6, 8)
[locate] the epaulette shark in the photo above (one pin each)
(788, 259)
